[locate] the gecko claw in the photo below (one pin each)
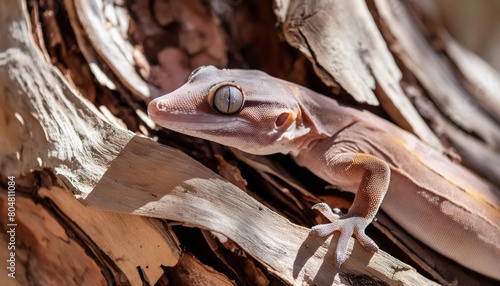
(348, 226)
(325, 209)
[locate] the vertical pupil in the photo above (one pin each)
(229, 102)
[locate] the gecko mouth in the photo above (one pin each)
(194, 122)
(180, 120)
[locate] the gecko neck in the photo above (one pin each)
(327, 117)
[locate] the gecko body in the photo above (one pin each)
(437, 201)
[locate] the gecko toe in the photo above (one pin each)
(347, 226)
(342, 245)
(366, 242)
(324, 209)
(325, 229)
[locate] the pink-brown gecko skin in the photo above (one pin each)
(437, 201)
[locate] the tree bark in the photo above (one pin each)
(91, 201)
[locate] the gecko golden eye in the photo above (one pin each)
(226, 99)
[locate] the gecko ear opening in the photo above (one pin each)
(282, 118)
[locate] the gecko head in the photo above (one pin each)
(245, 109)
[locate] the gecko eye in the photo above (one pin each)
(226, 98)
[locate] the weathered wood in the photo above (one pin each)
(470, 130)
(342, 41)
(153, 245)
(46, 125)
(435, 73)
(190, 271)
(45, 249)
(482, 80)
(107, 34)
(111, 169)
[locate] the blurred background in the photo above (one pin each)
(476, 25)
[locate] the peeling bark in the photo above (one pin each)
(96, 198)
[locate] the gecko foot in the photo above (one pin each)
(347, 225)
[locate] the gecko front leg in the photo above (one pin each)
(373, 175)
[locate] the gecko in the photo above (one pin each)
(437, 201)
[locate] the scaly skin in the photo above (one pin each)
(434, 199)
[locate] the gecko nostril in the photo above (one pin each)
(161, 105)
